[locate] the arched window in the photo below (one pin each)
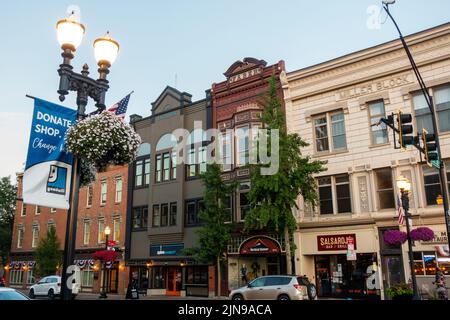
(144, 149)
(165, 142)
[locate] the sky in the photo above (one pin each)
(187, 44)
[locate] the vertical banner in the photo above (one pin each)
(48, 170)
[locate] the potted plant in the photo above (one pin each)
(103, 139)
(400, 291)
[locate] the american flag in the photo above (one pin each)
(401, 212)
(120, 108)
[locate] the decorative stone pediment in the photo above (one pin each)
(244, 69)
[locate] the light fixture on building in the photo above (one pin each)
(25, 268)
(403, 184)
(107, 231)
(149, 264)
(122, 266)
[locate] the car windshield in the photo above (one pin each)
(12, 295)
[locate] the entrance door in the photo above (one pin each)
(112, 280)
(392, 270)
(173, 284)
(323, 276)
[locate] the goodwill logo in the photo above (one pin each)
(46, 180)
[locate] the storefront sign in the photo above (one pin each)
(439, 238)
(244, 75)
(335, 242)
(351, 253)
(46, 181)
(166, 249)
(260, 245)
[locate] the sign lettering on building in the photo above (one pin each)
(335, 242)
(244, 75)
(439, 237)
(374, 87)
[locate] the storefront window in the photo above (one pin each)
(87, 277)
(157, 278)
(197, 275)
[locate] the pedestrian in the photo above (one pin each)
(441, 288)
(133, 288)
(244, 274)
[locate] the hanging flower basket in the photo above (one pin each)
(105, 255)
(422, 234)
(103, 139)
(394, 237)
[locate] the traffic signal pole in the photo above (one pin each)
(429, 100)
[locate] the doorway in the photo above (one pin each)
(173, 281)
(392, 270)
(112, 280)
(323, 276)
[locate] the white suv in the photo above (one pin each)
(51, 287)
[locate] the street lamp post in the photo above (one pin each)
(405, 187)
(70, 34)
(103, 293)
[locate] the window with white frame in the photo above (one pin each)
(329, 132)
(244, 203)
(86, 232)
(35, 236)
(104, 191)
(118, 190)
(196, 153)
(379, 133)
(442, 105)
(37, 210)
(101, 231)
(51, 224)
(226, 150)
(16, 276)
(116, 230)
(20, 236)
(385, 188)
(30, 277)
(87, 277)
(23, 211)
(422, 113)
(53, 210)
(242, 145)
(432, 182)
(90, 193)
(441, 101)
(334, 194)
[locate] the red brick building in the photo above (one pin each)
(101, 205)
(236, 106)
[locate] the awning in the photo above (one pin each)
(21, 264)
(85, 263)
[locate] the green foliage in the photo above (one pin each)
(272, 197)
(399, 290)
(214, 234)
(7, 209)
(48, 254)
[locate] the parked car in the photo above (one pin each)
(51, 287)
(276, 288)
(11, 294)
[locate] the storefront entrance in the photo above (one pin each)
(338, 277)
(173, 281)
(112, 279)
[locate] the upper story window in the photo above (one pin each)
(51, 224)
(23, 211)
(104, 191)
(86, 232)
(53, 210)
(244, 203)
(166, 159)
(142, 166)
(432, 182)
(37, 210)
(35, 236)
(192, 209)
(329, 132)
(164, 215)
(379, 133)
(385, 189)
(20, 236)
(196, 155)
(116, 230)
(101, 231)
(226, 150)
(334, 194)
(242, 145)
(139, 218)
(118, 195)
(441, 101)
(90, 193)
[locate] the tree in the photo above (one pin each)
(215, 233)
(7, 209)
(273, 197)
(48, 254)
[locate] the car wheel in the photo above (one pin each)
(51, 294)
(312, 291)
(31, 294)
(284, 297)
(237, 297)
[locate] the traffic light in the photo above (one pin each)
(429, 147)
(405, 129)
